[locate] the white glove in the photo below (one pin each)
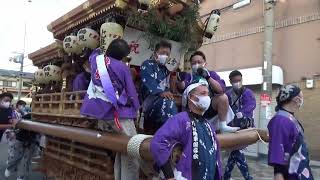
(239, 115)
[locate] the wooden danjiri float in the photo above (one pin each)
(74, 149)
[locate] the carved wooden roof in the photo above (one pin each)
(79, 16)
(52, 52)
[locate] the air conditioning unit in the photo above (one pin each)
(309, 83)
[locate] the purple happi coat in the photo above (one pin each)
(245, 104)
(97, 105)
(287, 146)
(81, 82)
(178, 130)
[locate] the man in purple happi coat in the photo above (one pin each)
(288, 152)
(200, 157)
(219, 104)
(112, 99)
(82, 80)
(243, 103)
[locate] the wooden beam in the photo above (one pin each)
(118, 143)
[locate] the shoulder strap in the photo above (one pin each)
(238, 98)
(105, 80)
(107, 86)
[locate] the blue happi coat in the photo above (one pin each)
(155, 80)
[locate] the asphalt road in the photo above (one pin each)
(3, 159)
(258, 168)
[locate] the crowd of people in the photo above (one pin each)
(23, 145)
(207, 108)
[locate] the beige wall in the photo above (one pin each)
(310, 118)
(296, 48)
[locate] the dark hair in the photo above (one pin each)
(198, 53)
(20, 102)
(118, 49)
(6, 94)
(163, 44)
(234, 74)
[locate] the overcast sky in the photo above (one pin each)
(37, 15)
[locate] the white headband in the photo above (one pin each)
(189, 89)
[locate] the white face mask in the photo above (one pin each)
(5, 104)
(162, 59)
(21, 108)
(300, 104)
(196, 67)
(203, 103)
(237, 85)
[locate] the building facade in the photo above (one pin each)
(238, 44)
(9, 82)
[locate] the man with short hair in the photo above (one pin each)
(21, 108)
(7, 116)
(243, 103)
(113, 100)
(82, 80)
(219, 101)
(159, 104)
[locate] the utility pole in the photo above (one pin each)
(20, 76)
(268, 43)
(20, 57)
(266, 89)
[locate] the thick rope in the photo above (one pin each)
(133, 147)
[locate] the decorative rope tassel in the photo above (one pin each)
(116, 120)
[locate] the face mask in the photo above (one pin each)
(196, 67)
(21, 108)
(5, 104)
(300, 104)
(162, 59)
(237, 85)
(203, 103)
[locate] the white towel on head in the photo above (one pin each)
(189, 89)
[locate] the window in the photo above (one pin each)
(9, 83)
(1, 83)
(27, 84)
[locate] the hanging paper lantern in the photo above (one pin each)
(121, 4)
(212, 26)
(88, 38)
(144, 4)
(52, 73)
(71, 45)
(108, 32)
(39, 77)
